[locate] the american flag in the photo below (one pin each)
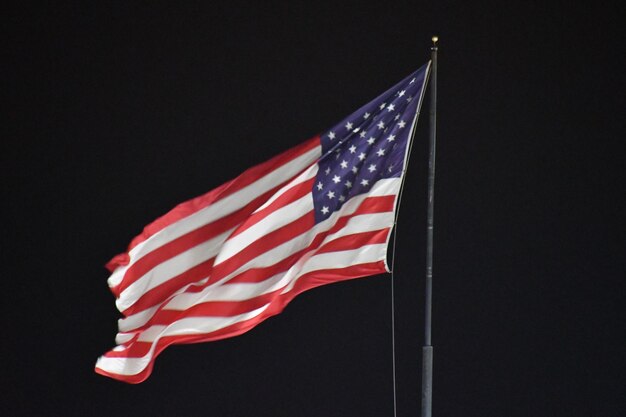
(219, 264)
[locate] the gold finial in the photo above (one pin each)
(435, 39)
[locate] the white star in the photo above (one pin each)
(327, 171)
(412, 81)
(382, 106)
(348, 125)
(381, 125)
(331, 135)
(342, 198)
(344, 164)
(391, 138)
(401, 93)
(362, 134)
(371, 168)
(371, 140)
(401, 124)
(397, 116)
(324, 210)
(381, 152)
(352, 149)
(348, 184)
(366, 115)
(331, 195)
(365, 183)
(390, 168)
(391, 107)
(336, 179)
(320, 185)
(355, 169)
(362, 156)
(409, 98)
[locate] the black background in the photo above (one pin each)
(118, 113)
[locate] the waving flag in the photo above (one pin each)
(217, 265)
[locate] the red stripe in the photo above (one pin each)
(230, 331)
(354, 241)
(160, 293)
(163, 291)
(210, 309)
(133, 350)
(226, 309)
(271, 240)
(216, 309)
(204, 233)
(369, 205)
(306, 282)
(177, 246)
(293, 194)
(327, 276)
(229, 308)
(191, 206)
(264, 244)
(249, 276)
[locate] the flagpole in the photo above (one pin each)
(427, 349)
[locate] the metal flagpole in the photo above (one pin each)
(427, 349)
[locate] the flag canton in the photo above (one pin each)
(367, 146)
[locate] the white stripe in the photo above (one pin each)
(363, 223)
(196, 325)
(217, 210)
(139, 319)
(169, 269)
(122, 338)
(226, 292)
(136, 320)
(229, 292)
(188, 326)
(278, 218)
(305, 176)
(202, 325)
(116, 277)
(198, 254)
(345, 258)
(380, 188)
(275, 255)
(270, 223)
(340, 259)
(280, 252)
(244, 291)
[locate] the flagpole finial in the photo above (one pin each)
(435, 39)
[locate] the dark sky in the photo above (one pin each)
(116, 114)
